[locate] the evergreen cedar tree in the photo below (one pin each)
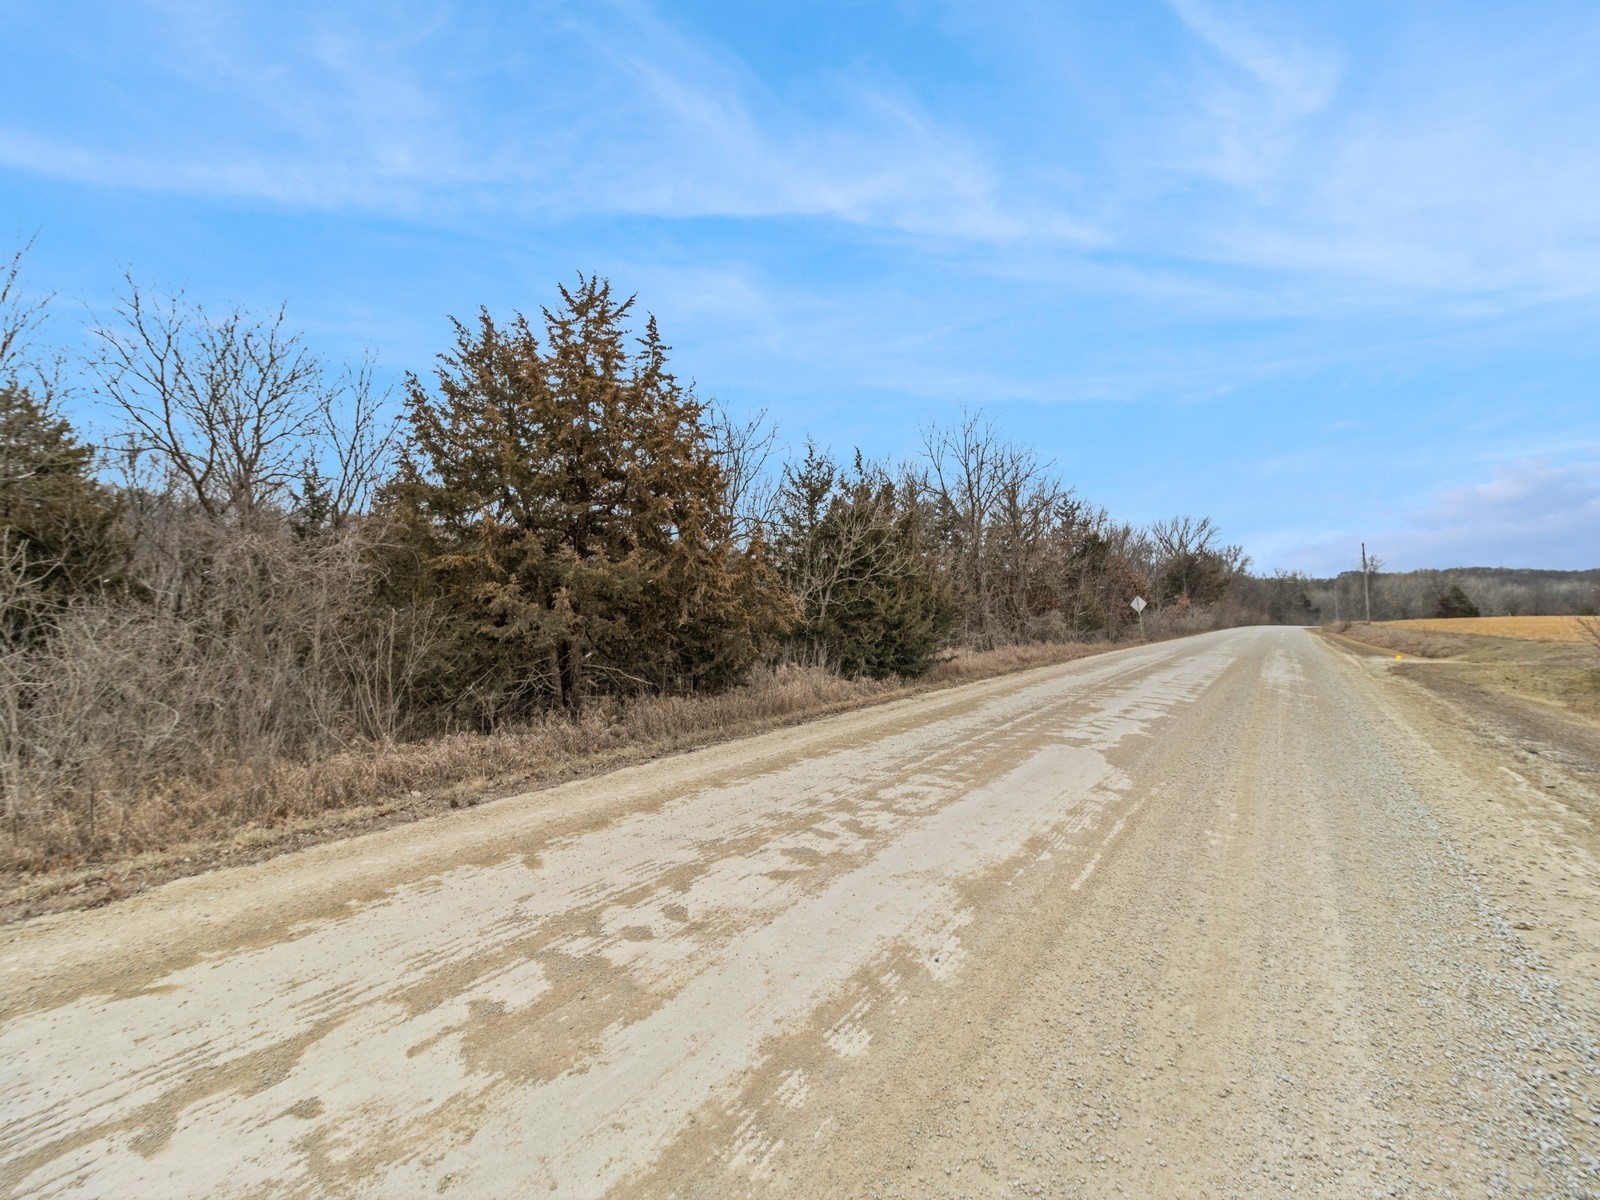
(52, 511)
(1193, 577)
(565, 499)
(850, 549)
(1454, 602)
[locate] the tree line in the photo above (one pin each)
(1287, 598)
(263, 555)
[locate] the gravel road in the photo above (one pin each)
(1240, 915)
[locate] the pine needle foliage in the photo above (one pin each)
(1454, 602)
(53, 513)
(873, 600)
(564, 493)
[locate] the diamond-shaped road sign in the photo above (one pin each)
(1137, 604)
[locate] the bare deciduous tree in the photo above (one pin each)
(20, 317)
(237, 412)
(22, 604)
(224, 404)
(995, 505)
(743, 449)
(1181, 545)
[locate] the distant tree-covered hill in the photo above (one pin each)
(1494, 591)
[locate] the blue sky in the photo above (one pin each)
(1325, 272)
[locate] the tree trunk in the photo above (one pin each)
(571, 674)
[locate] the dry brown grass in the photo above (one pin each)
(188, 825)
(963, 665)
(1527, 629)
(1482, 658)
(1419, 643)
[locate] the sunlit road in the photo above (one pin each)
(1196, 918)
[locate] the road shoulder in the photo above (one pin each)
(1516, 787)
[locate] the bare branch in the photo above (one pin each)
(20, 318)
(360, 430)
(743, 450)
(227, 405)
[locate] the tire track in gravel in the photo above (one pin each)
(610, 978)
(1222, 917)
(1282, 979)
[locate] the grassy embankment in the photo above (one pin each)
(183, 832)
(1542, 660)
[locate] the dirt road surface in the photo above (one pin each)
(1240, 915)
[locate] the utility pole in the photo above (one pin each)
(1366, 586)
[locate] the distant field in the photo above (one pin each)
(1527, 629)
(1493, 661)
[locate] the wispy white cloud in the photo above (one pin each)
(1251, 114)
(1281, 165)
(600, 109)
(1273, 212)
(702, 139)
(1457, 176)
(1530, 513)
(272, 180)
(1301, 79)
